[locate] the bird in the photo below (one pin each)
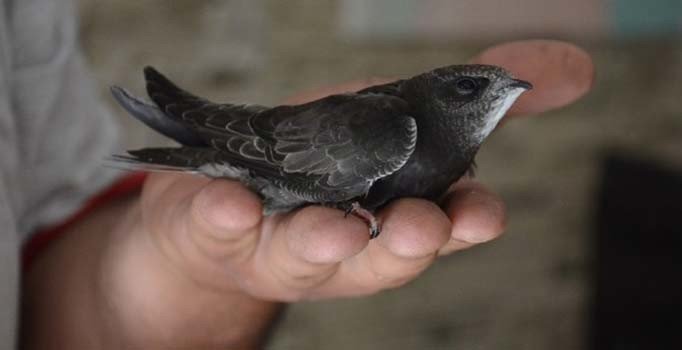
(353, 151)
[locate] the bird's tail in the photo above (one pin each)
(151, 115)
(174, 159)
(170, 98)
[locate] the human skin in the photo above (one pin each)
(191, 263)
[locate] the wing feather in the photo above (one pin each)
(351, 138)
(340, 144)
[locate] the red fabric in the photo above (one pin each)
(126, 185)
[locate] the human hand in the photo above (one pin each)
(195, 264)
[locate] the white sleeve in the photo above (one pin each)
(61, 130)
(54, 133)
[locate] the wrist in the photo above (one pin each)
(103, 285)
(154, 303)
(61, 307)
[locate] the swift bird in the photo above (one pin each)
(354, 151)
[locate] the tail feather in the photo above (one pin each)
(180, 159)
(153, 117)
(171, 99)
(127, 163)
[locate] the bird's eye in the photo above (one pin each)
(466, 86)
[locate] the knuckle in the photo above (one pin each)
(298, 284)
(386, 273)
(383, 281)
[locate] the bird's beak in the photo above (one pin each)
(517, 83)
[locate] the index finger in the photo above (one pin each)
(560, 72)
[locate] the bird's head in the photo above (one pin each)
(477, 95)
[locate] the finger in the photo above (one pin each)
(156, 190)
(560, 72)
(160, 197)
(224, 220)
(412, 232)
(477, 215)
(337, 89)
(196, 220)
(307, 246)
(191, 220)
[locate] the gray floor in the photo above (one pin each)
(528, 290)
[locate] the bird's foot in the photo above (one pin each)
(372, 221)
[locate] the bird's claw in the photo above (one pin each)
(374, 231)
(372, 221)
(347, 212)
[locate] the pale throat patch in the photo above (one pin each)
(497, 113)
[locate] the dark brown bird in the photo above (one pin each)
(354, 151)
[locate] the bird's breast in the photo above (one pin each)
(421, 177)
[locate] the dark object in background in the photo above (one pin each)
(638, 297)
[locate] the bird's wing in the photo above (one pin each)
(344, 138)
(392, 88)
(342, 141)
(192, 112)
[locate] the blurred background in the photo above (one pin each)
(592, 257)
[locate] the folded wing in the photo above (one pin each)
(326, 150)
